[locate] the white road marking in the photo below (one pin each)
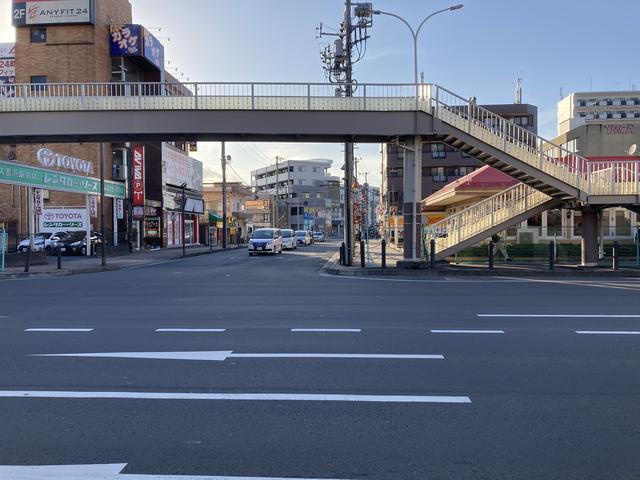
(191, 330)
(59, 330)
(4, 316)
(579, 283)
(298, 397)
(220, 356)
(352, 330)
(606, 332)
(554, 315)
(468, 331)
(103, 472)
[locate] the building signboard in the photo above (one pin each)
(93, 205)
(194, 205)
(7, 50)
(50, 159)
(28, 176)
(7, 67)
(119, 209)
(66, 219)
(51, 12)
(37, 201)
(136, 41)
(179, 168)
(137, 157)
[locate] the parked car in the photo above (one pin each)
(318, 236)
(42, 241)
(303, 238)
(265, 240)
(289, 239)
(76, 243)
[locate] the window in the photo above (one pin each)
(294, 211)
(301, 169)
(306, 195)
(265, 217)
(462, 171)
(437, 150)
(438, 174)
(300, 182)
(38, 35)
(315, 169)
(40, 82)
(522, 121)
(291, 169)
(318, 195)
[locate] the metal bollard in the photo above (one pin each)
(27, 263)
(59, 254)
(342, 254)
(432, 254)
(362, 264)
(616, 253)
(384, 253)
(491, 245)
(552, 255)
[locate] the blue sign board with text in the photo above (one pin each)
(136, 41)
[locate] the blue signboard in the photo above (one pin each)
(136, 41)
(153, 50)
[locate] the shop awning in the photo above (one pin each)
(215, 218)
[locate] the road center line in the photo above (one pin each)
(59, 330)
(345, 330)
(190, 330)
(300, 397)
(469, 331)
(536, 315)
(606, 332)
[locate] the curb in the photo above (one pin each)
(108, 268)
(332, 267)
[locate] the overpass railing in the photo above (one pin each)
(612, 178)
(207, 96)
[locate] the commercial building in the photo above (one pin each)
(441, 164)
(237, 218)
(95, 41)
(308, 196)
(603, 127)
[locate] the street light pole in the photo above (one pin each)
(413, 180)
(224, 197)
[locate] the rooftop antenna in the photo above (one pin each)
(519, 89)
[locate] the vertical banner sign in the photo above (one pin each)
(137, 154)
(93, 205)
(119, 209)
(37, 201)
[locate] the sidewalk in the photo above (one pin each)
(76, 265)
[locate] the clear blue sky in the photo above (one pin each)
(479, 50)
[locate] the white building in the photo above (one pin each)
(582, 108)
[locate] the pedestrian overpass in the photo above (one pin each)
(550, 175)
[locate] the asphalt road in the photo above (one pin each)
(517, 393)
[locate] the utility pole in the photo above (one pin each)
(338, 63)
(277, 213)
(223, 159)
(103, 230)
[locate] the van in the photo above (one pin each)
(265, 240)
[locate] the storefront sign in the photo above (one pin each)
(136, 41)
(194, 205)
(137, 155)
(51, 12)
(7, 67)
(152, 227)
(179, 168)
(66, 219)
(37, 201)
(93, 206)
(50, 159)
(119, 209)
(28, 176)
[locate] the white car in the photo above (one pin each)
(265, 240)
(289, 239)
(42, 241)
(303, 238)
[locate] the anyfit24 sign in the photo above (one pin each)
(51, 12)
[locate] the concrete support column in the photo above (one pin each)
(412, 193)
(589, 242)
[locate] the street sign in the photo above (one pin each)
(20, 174)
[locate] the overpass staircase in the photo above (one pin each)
(549, 175)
